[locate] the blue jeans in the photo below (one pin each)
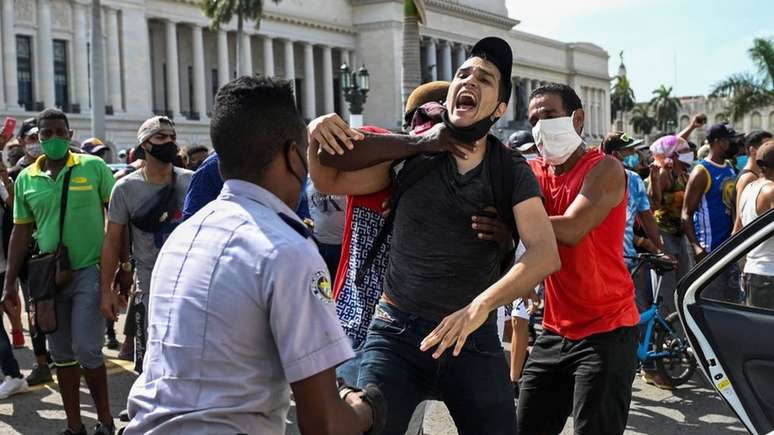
(475, 386)
(7, 361)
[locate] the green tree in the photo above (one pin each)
(748, 91)
(621, 97)
(642, 122)
(222, 11)
(665, 108)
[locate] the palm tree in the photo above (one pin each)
(411, 74)
(642, 122)
(665, 107)
(621, 97)
(221, 11)
(747, 91)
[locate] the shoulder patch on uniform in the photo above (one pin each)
(321, 287)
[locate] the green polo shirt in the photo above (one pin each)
(37, 199)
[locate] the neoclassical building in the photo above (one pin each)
(161, 57)
(715, 108)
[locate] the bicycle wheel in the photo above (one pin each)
(678, 367)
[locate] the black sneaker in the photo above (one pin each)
(112, 343)
(41, 374)
(101, 429)
(69, 431)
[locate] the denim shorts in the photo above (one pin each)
(80, 325)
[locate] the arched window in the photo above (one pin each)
(755, 121)
(684, 120)
(720, 118)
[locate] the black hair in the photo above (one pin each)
(53, 114)
(756, 138)
(254, 119)
(570, 99)
(197, 149)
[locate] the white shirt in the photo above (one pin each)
(760, 260)
(224, 337)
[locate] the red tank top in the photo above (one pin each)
(593, 292)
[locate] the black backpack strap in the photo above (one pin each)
(63, 202)
(413, 170)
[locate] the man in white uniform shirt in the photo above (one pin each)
(229, 285)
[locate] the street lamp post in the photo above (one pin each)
(355, 85)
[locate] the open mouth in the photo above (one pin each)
(465, 102)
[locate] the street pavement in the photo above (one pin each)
(691, 409)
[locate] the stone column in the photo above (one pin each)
(246, 57)
(290, 62)
(200, 89)
(45, 55)
(135, 44)
(173, 76)
(9, 55)
(510, 113)
(327, 77)
(81, 61)
(587, 110)
(594, 113)
(459, 56)
(268, 56)
(114, 62)
(224, 75)
(345, 59)
(446, 61)
(600, 113)
(310, 110)
(432, 63)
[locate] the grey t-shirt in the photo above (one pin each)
(437, 263)
(128, 195)
(328, 212)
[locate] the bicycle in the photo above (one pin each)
(661, 343)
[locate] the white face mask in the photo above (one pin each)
(34, 150)
(556, 139)
(686, 158)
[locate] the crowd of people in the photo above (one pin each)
(364, 269)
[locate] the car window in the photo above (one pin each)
(747, 281)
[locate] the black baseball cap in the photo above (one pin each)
(521, 140)
(497, 51)
(618, 141)
(27, 125)
(756, 138)
(721, 131)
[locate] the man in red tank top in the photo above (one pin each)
(585, 361)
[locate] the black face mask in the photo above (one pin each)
(471, 133)
(290, 168)
(165, 152)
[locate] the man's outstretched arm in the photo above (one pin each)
(374, 149)
(602, 190)
(334, 181)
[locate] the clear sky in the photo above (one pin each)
(688, 44)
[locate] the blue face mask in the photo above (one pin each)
(631, 161)
(741, 162)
